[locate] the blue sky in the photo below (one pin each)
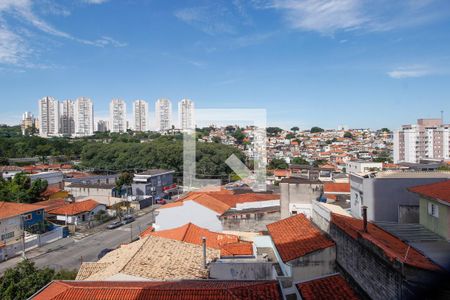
(363, 63)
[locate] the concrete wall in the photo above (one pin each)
(440, 225)
(303, 193)
(373, 275)
(383, 196)
(313, 265)
(241, 271)
(255, 223)
(10, 230)
(190, 211)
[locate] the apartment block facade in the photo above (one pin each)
(140, 113)
(429, 138)
(49, 117)
(83, 117)
(118, 116)
(186, 114)
(163, 112)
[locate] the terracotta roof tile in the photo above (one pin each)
(191, 233)
(296, 236)
(51, 204)
(75, 208)
(392, 247)
(438, 190)
(331, 287)
(10, 209)
(331, 187)
(185, 289)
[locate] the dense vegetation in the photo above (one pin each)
(316, 129)
(21, 189)
(22, 281)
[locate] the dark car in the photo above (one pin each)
(114, 225)
(103, 252)
(161, 201)
(127, 219)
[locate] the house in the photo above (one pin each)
(327, 287)
(54, 193)
(53, 178)
(8, 172)
(336, 192)
(104, 193)
(386, 195)
(76, 213)
(363, 167)
(229, 245)
(381, 264)
(154, 183)
(180, 290)
(303, 251)
(14, 219)
(434, 207)
(77, 177)
(298, 194)
(153, 258)
(205, 209)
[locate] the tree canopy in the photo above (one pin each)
(316, 129)
(21, 189)
(278, 163)
(299, 161)
(295, 129)
(348, 135)
(25, 279)
(273, 131)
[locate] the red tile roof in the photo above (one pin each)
(332, 187)
(185, 289)
(11, 209)
(282, 173)
(75, 208)
(51, 204)
(392, 247)
(50, 191)
(438, 190)
(296, 236)
(330, 287)
(230, 245)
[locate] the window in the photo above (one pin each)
(433, 210)
(38, 212)
(7, 235)
(27, 217)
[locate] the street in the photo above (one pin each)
(68, 253)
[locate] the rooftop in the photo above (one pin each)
(154, 172)
(152, 257)
(75, 208)
(438, 190)
(330, 287)
(331, 187)
(184, 289)
(392, 247)
(296, 236)
(229, 245)
(11, 209)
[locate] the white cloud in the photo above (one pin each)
(12, 49)
(95, 1)
(329, 16)
(209, 19)
(410, 72)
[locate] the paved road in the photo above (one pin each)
(69, 252)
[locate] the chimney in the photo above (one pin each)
(204, 251)
(364, 215)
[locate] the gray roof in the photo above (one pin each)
(299, 180)
(154, 172)
(91, 185)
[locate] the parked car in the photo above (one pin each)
(103, 252)
(161, 201)
(114, 225)
(127, 219)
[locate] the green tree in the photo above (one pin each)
(273, 131)
(278, 163)
(295, 129)
(385, 130)
(348, 135)
(299, 161)
(25, 279)
(20, 189)
(290, 136)
(316, 129)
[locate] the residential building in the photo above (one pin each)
(117, 116)
(180, 290)
(155, 183)
(337, 192)
(153, 258)
(382, 265)
(28, 123)
(15, 218)
(163, 113)
(186, 114)
(102, 126)
(386, 195)
(48, 117)
(8, 172)
(323, 173)
(429, 138)
(66, 118)
(53, 178)
(104, 193)
(303, 251)
(76, 213)
(206, 209)
(140, 113)
(84, 117)
(228, 244)
(363, 167)
(435, 207)
(298, 194)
